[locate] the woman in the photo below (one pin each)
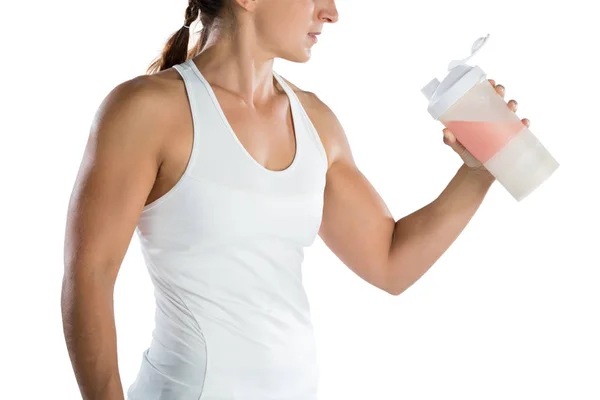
(227, 171)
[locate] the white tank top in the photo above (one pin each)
(224, 249)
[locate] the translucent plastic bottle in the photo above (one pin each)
(467, 104)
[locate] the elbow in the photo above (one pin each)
(393, 285)
(394, 291)
(396, 287)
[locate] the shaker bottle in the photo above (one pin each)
(467, 104)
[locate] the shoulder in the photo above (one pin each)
(326, 123)
(145, 108)
(150, 96)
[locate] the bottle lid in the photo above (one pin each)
(460, 79)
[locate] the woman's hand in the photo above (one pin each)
(467, 157)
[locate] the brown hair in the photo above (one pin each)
(176, 48)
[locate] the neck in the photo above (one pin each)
(235, 62)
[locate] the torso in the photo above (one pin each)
(267, 132)
(223, 239)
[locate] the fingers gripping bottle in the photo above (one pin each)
(467, 104)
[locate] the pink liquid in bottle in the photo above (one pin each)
(483, 139)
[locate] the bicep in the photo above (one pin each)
(116, 174)
(357, 226)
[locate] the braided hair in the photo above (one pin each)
(176, 49)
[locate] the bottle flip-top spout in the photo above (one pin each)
(429, 89)
(477, 45)
(460, 78)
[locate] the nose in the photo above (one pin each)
(328, 12)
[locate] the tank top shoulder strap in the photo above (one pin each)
(310, 128)
(186, 72)
(190, 83)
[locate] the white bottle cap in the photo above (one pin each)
(460, 79)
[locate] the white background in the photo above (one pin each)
(510, 311)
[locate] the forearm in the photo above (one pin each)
(420, 239)
(89, 328)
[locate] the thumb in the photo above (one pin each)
(466, 156)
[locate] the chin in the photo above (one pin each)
(298, 56)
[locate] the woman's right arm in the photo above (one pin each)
(117, 172)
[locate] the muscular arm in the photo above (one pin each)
(359, 228)
(117, 172)
(422, 237)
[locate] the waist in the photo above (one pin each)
(222, 365)
(234, 330)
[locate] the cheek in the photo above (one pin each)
(289, 32)
(287, 22)
(301, 14)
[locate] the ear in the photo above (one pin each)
(248, 5)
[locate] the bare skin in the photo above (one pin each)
(139, 145)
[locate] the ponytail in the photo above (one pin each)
(176, 49)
